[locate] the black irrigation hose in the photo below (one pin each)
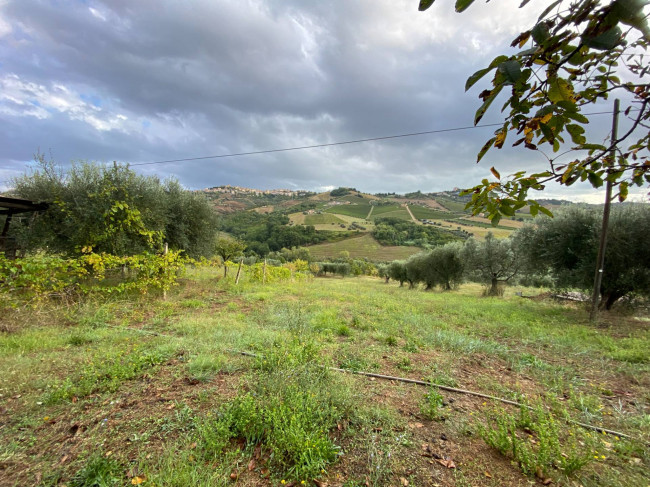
(414, 381)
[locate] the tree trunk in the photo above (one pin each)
(608, 300)
(225, 269)
(494, 287)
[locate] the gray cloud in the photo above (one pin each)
(157, 80)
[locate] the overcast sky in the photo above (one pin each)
(150, 80)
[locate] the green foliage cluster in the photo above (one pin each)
(576, 55)
(559, 252)
(113, 210)
(415, 195)
(341, 191)
(538, 442)
(432, 404)
(264, 233)
(395, 231)
(565, 247)
(98, 470)
(292, 254)
(34, 278)
(492, 262)
(344, 266)
(339, 268)
(271, 271)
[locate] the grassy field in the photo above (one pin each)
(322, 219)
(361, 247)
(154, 391)
(357, 211)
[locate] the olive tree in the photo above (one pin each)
(565, 246)
(492, 261)
(397, 271)
(446, 265)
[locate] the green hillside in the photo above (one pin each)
(357, 211)
(361, 247)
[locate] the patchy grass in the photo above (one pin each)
(154, 391)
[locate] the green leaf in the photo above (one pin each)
(576, 132)
(485, 148)
(471, 81)
(630, 12)
(544, 111)
(548, 133)
(483, 108)
(461, 5)
(559, 90)
(549, 8)
(495, 219)
(540, 33)
(546, 211)
(425, 4)
(578, 117)
(534, 209)
(511, 70)
(623, 191)
(606, 41)
(595, 180)
(591, 147)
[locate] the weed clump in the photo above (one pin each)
(289, 411)
(535, 440)
(432, 405)
(100, 471)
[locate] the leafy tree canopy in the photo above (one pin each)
(576, 55)
(395, 231)
(566, 245)
(112, 209)
(341, 191)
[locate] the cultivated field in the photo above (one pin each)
(155, 392)
(357, 211)
(361, 247)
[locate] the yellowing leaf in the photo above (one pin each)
(495, 172)
(500, 139)
(137, 480)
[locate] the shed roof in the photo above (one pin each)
(10, 206)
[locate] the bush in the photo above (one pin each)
(32, 279)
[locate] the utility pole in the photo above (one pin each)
(600, 261)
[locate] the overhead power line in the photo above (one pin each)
(330, 144)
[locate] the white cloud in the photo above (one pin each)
(97, 14)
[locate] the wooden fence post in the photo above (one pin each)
(165, 251)
(239, 270)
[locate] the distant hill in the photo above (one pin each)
(347, 219)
